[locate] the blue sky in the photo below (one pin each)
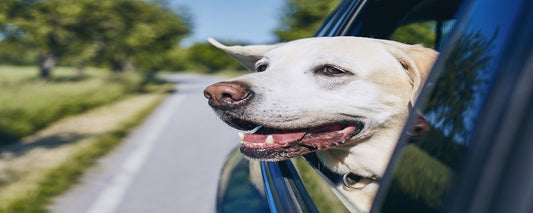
(251, 21)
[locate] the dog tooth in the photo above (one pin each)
(253, 130)
(241, 135)
(270, 140)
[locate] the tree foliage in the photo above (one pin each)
(212, 58)
(416, 33)
(134, 31)
(302, 18)
(16, 53)
(117, 33)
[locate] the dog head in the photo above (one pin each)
(342, 96)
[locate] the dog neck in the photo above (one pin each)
(349, 181)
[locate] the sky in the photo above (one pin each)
(250, 21)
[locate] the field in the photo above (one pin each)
(28, 104)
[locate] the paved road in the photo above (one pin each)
(170, 164)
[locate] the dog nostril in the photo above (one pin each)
(207, 95)
(228, 94)
(233, 97)
(233, 93)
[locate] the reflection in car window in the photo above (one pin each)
(320, 191)
(451, 103)
(236, 192)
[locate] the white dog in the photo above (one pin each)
(346, 98)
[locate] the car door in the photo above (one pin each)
(473, 151)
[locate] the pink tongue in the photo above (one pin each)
(278, 138)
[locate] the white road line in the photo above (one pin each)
(109, 199)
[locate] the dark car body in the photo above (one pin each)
(473, 150)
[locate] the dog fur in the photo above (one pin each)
(315, 82)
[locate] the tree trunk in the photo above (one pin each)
(127, 65)
(122, 64)
(46, 63)
(81, 68)
(116, 66)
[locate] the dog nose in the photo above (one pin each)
(228, 94)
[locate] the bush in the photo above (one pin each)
(16, 53)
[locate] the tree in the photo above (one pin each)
(135, 32)
(301, 18)
(119, 33)
(45, 25)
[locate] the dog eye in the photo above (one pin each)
(261, 68)
(329, 70)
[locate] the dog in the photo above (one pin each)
(345, 98)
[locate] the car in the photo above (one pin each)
(468, 143)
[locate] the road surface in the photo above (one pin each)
(169, 164)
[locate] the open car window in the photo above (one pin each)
(425, 22)
(429, 33)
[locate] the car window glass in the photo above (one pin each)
(429, 33)
(324, 196)
(236, 191)
(444, 120)
(336, 19)
(417, 33)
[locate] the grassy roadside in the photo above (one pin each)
(48, 163)
(30, 104)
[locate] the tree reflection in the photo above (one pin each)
(459, 87)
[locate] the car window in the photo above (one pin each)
(361, 18)
(417, 33)
(325, 197)
(239, 188)
(441, 129)
(339, 18)
(429, 33)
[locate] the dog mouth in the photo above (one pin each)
(280, 144)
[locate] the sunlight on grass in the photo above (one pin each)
(29, 104)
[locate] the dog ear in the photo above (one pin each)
(417, 61)
(246, 55)
(423, 58)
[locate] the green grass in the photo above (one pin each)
(419, 184)
(29, 104)
(60, 178)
